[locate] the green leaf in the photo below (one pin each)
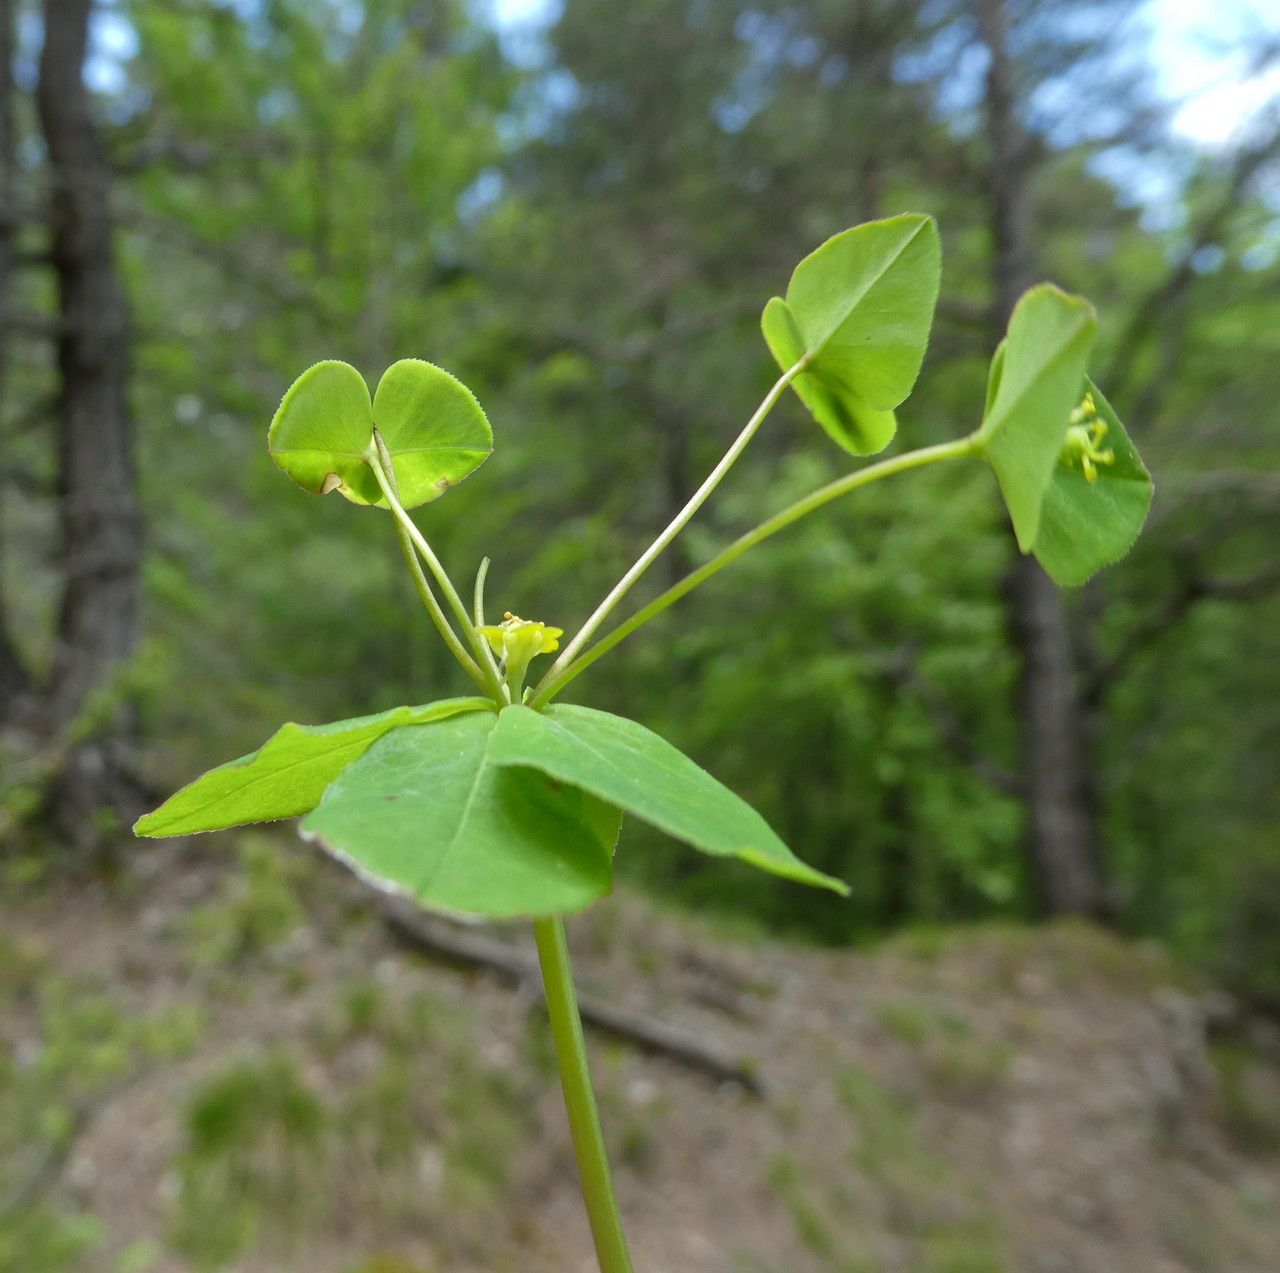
(431, 423)
(1037, 375)
(629, 766)
(288, 774)
(322, 429)
(431, 813)
(993, 378)
(1087, 525)
(860, 308)
(433, 426)
(849, 423)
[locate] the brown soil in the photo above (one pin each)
(970, 1102)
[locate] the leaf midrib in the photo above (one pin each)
(884, 269)
(482, 766)
(992, 430)
(277, 772)
(266, 777)
(662, 824)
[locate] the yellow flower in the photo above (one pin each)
(517, 642)
(1083, 443)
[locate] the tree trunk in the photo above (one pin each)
(1063, 842)
(100, 523)
(14, 681)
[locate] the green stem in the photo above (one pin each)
(456, 648)
(477, 663)
(580, 1102)
(677, 524)
(477, 613)
(550, 687)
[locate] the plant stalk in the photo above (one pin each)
(456, 648)
(579, 1098)
(549, 687)
(477, 613)
(477, 665)
(677, 524)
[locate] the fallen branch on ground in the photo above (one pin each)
(442, 940)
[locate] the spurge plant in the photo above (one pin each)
(508, 802)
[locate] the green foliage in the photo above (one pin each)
(273, 1154)
(322, 430)
(858, 767)
(1249, 1088)
(504, 841)
(366, 180)
(253, 1133)
(66, 1047)
(1249, 963)
(516, 811)
(1073, 483)
(1091, 517)
(45, 1240)
(433, 428)
(287, 775)
(622, 762)
(257, 908)
(858, 311)
(433, 812)
(363, 175)
(941, 1219)
(1036, 379)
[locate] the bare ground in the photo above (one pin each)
(311, 1096)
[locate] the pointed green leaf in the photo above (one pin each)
(860, 308)
(629, 766)
(288, 774)
(433, 426)
(322, 429)
(850, 424)
(1087, 525)
(431, 423)
(1037, 383)
(430, 813)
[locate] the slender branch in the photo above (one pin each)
(477, 613)
(447, 634)
(676, 525)
(456, 648)
(476, 662)
(1152, 311)
(549, 687)
(579, 1098)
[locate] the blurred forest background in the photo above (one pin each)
(580, 209)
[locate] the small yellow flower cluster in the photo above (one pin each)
(517, 642)
(1083, 443)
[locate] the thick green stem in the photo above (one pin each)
(579, 1098)
(550, 687)
(677, 524)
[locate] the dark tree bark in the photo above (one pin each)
(99, 516)
(1063, 841)
(14, 681)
